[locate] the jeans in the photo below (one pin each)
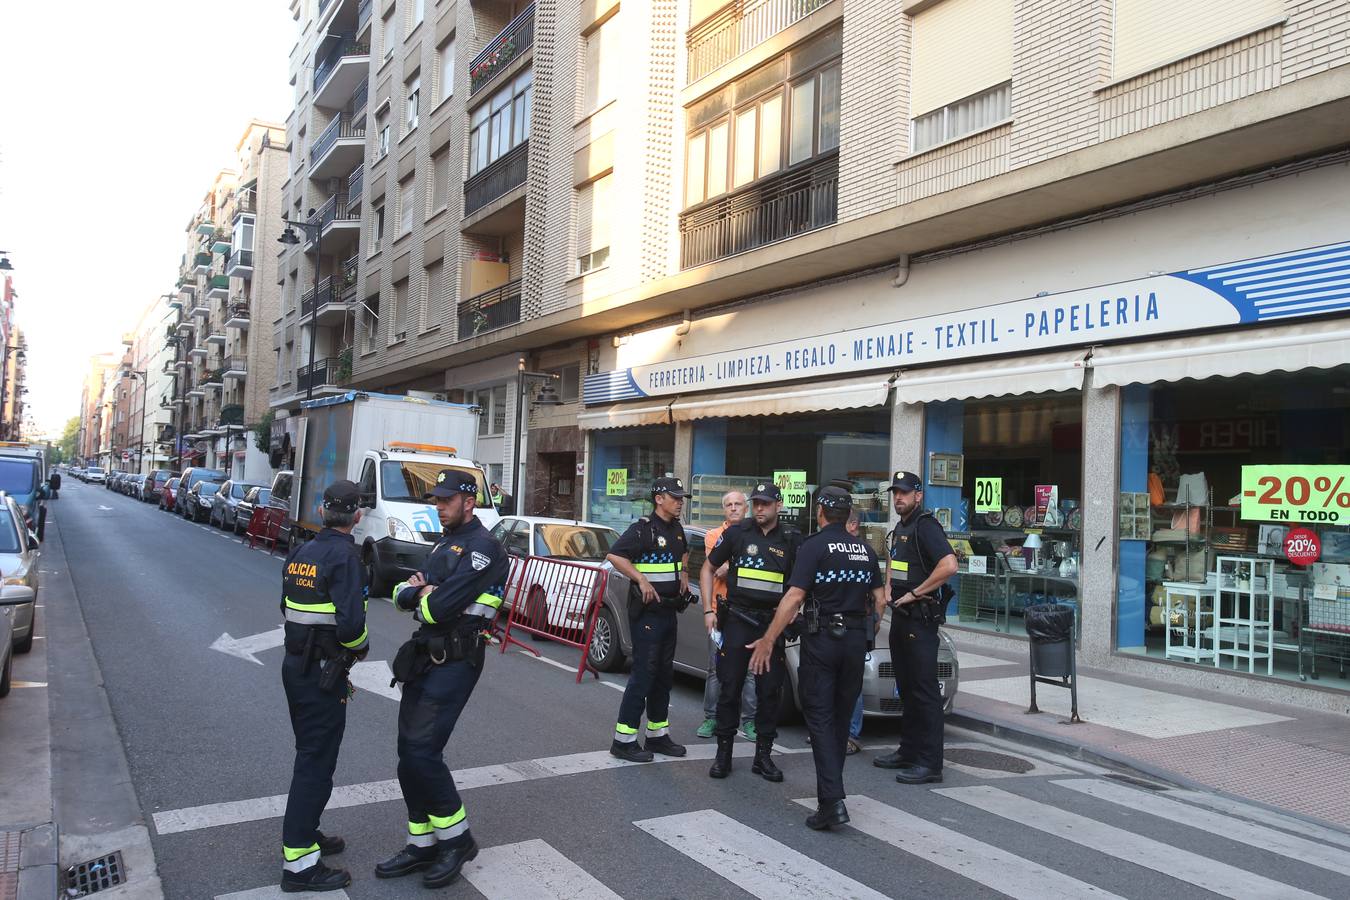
(712, 689)
(855, 726)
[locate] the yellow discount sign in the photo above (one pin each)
(1296, 494)
(988, 494)
(793, 486)
(616, 482)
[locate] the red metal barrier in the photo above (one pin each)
(554, 599)
(265, 525)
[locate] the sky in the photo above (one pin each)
(115, 118)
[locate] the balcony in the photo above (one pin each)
(236, 367)
(181, 363)
(174, 301)
(201, 308)
(349, 270)
(231, 414)
(773, 209)
(215, 337)
(498, 55)
(213, 380)
(355, 183)
(325, 302)
(338, 214)
(490, 310)
(321, 373)
(501, 176)
(218, 287)
(198, 352)
(240, 264)
(338, 148)
(739, 27)
(362, 16)
(237, 316)
(206, 228)
(201, 264)
(246, 203)
(220, 242)
(337, 75)
(196, 393)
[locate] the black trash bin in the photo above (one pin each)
(1050, 627)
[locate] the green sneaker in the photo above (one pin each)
(748, 729)
(707, 728)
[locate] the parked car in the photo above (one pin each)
(611, 644)
(18, 566)
(225, 504)
(12, 598)
(255, 497)
(198, 499)
(555, 596)
(153, 485)
(190, 478)
(135, 486)
(167, 494)
(95, 475)
(21, 478)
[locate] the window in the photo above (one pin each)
(603, 56)
(568, 383)
(430, 304)
(961, 49)
(499, 409)
(438, 193)
(398, 326)
(370, 316)
(405, 205)
(413, 91)
(593, 224)
(492, 401)
(501, 123)
(376, 229)
(382, 134)
(968, 116)
(1151, 33)
(417, 11)
(389, 34)
(243, 234)
(445, 70)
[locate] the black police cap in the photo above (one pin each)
(906, 481)
(342, 496)
(450, 482)
(668, 485)
(832, 497)
(766, 490)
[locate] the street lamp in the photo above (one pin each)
(289, 237)
(4, 262)
(128, 372)
(548, 396)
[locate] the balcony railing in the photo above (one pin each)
(359, 98)
(317, 374)
(362, 14)
(355, 182)
(239, 259)
(324, 293)
(237, 316)
(337, 209)
(246, 203)
(513, 40)
(202, 261)
(219, 284)
(490, 310)
(344, 126)
(505, 174)
(235, 364)
(739, 27)
(797, 201)
(231, 415)
(346, 46)
(349, 270)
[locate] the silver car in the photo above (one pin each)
(611, 644)
(18, 567)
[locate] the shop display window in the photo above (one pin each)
(1261, 587)
(1004, 476)
(624, 462)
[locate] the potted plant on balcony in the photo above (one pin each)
(344, 368)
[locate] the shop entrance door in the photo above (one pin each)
(560, 492)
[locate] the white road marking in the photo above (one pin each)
(982, 863)
(976, 661)
(532, 870)
(105, 508)
(1261, 814)
(273, 892)
(234, 812)
(754, 862)
(27, 684)
(1287, 845)
(1192, 868)
(1125, 707)
(374, 676)
(245, 647)
(571, 669)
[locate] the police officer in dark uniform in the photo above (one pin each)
(455, 598)
(921, 563)
(839, 580)
(759, 554)
(323, 600)
(652, 554)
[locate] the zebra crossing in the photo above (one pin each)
(712, 848)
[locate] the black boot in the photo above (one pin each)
(631, 751)
(317, 877)
(665, 746)
(894, 760)
(763, 764)
(450, 859)
(330, 845)
(406, 861)
(830, 813)
(914, 774)
(721, 766)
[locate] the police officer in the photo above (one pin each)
(839, 580)
(921, 562)
(455, 597)
(652, 554)
(759, 554)
(323, 600)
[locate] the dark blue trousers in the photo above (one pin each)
(653, 670)
(318, 719)
(914, 650)
(829, 679)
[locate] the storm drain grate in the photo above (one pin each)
(83, 879)
(986, 759)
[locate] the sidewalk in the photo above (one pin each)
(1281, 756)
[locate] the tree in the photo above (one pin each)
(69, 436)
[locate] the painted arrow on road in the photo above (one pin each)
(245, 647)
(374, 676)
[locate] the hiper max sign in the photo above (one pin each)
(1300, 283)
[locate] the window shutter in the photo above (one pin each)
(961, 47)
(1151, 33)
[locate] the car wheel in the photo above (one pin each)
(5, 675)
(26, 644)
(603, 653)
(380, 586)
(536, 611)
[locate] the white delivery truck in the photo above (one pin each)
(392, 447)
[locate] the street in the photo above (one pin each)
(183, 624)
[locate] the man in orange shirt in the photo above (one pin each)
(733, 510)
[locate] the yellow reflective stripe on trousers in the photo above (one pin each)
(310, 607)
(298, 859)
(658, 729)
(352, 645)
(451, 826)
(420, 828)
(624, 734)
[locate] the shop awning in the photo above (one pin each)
(1062, 371)
(1252, 351)
(626, 415)
(851, 393)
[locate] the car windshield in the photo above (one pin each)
(9, 535)
(408, 482)
(17, 475)
(209, 487)
(94, 470)
(264, 495)
(582, 542)
(172, 483)
(239, 490)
